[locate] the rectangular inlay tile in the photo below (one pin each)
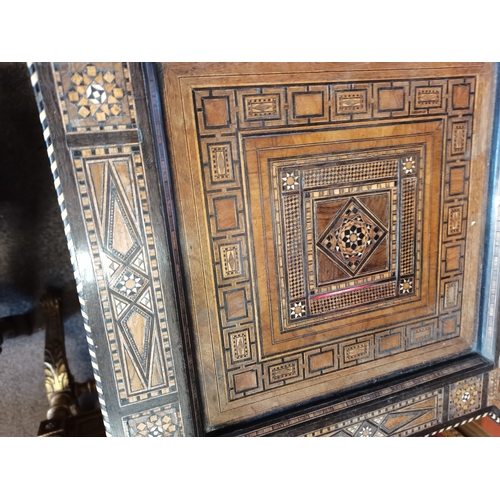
(391, 99)
(308, 104)
(216, 112)
(226, 214)
(460, 96)
(245, 381)
(235, 302)
(321, 361)
(389, 343)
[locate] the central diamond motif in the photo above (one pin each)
(352, 236)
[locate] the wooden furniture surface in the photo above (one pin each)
(285, 249)
(325, 218)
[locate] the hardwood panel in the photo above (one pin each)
(324, 223)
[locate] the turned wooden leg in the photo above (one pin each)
(63, 392)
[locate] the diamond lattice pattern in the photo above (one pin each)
(352, 236)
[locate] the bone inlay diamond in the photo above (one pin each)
(352, 236)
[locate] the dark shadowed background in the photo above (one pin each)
(33, 257)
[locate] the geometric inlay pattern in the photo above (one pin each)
(121, 237)
(290, 181)
(353, 298)
(465, 396)
(95, 96)
(494, 388)
(115, 245)
(294, 250)
(405, 285)
(165, 421)
(137, 327)
(400, 419)
(129, 283)
(351, 232)
(408, 225)
(119, 305)
(352, 236)
(347, 225)
(353, 172)
(121, 234)
(349, 404)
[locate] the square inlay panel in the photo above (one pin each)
(330, 224)
(343, 230)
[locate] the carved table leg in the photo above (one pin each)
(57, 376)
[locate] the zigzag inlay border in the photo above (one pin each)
(67, 231)
(465, 421)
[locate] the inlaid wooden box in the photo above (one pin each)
(279, 248)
